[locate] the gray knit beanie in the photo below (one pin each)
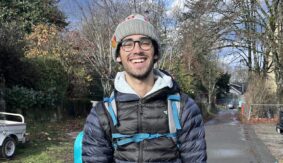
(133, 24)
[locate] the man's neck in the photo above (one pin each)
(141, 87)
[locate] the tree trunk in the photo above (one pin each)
(279, 83)
(279, 56)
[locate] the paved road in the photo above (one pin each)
(229, 141)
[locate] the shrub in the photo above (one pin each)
(52, 78)
(28, 101)
(259, 92)
(20, 98)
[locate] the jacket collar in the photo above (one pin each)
(162, 81)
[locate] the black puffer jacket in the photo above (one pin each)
(145, 115)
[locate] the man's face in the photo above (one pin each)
(137, 56)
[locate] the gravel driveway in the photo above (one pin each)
(272, 140)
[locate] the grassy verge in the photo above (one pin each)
(49, 142)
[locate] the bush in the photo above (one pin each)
(13, 66)
(20, 98)
(28, 101)
(259, 92)
(52, 78)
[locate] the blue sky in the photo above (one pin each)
(72, 10)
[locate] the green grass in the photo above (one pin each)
(48, 143)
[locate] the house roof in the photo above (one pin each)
(237, 88)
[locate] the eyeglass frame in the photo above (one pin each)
(139, 43)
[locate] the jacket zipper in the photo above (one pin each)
(140, 112)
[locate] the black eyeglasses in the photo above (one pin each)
(128, 45)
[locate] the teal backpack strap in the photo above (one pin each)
(110, 105)
(173, 112)
(78, 148)
(136, 138)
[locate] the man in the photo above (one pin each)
(139, 132)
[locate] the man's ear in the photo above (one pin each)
(118, 59)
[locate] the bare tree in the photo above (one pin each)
(268, 34)
(250, 29)
(201, 33)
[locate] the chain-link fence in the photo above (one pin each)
(268, 111)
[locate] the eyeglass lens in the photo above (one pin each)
(129, 44)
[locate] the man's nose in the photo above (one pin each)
(137, 48)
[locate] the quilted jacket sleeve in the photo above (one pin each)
(192, 136)
(96, 147)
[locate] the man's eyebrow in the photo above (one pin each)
(130, 39)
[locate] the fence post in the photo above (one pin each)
(243, 109)
(250, 111)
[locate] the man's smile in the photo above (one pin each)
(139, 59)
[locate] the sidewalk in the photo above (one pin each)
(273, 141)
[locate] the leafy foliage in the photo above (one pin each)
(50, 89)
(52, 77)
(31, 55)
(40, 40)
(184, 79)
(222, 85)
(28, 99)
(46, 41)
(13, 66)
(17, 19)
(31, 12)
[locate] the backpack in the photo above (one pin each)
(173, 111)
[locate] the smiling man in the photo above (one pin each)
(147, 118)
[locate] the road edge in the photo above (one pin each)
(261, 151)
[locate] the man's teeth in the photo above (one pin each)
(138, 60)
